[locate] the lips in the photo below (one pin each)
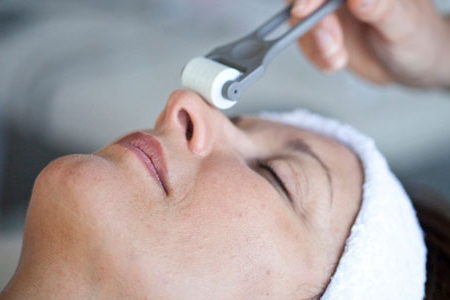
(149, 151)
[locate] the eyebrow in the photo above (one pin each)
(299, 145)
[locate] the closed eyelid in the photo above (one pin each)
(276, 177)
(295, 172)
(300, 146)
(290, 146)
(296, 144)
(275, 181)
(290, 174)
(289, 169)
(306, 150)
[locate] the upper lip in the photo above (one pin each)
(152, 149)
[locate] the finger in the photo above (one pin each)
(324, 45)
(362, 60)
(393, 19)
(303, 8)
(332, 64)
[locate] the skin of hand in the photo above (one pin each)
(384, 41)
(99, 226)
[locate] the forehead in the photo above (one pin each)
(251, 122)
(255, 124)
(276, 134)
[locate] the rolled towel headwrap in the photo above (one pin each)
(385, 253)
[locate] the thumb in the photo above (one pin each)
(393, 19)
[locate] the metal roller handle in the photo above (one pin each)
(252, 53)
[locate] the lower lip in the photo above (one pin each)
(146, 161)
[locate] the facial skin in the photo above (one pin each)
(100, 227)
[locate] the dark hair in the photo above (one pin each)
(433, 212)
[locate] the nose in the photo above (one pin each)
(192, 119)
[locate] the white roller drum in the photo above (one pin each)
(207, 78)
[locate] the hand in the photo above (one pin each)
(403, 41)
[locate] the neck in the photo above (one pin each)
(70, 280)
(49, 282)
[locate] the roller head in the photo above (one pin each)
(207, 78)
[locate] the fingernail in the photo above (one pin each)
(299, 8)
(366, 5)
(326, 43)
(339, 63)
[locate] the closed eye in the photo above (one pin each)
(275, 176)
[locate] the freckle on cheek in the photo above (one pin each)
(186, 215)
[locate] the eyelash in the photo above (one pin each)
(275, 176)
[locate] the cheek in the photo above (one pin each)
(226, 192)
(78, 182)
(233, 231)
(74, 203)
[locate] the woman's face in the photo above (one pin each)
(193, 209)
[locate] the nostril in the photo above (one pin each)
(186, 121)
(189, 130)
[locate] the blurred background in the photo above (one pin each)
(75, 75)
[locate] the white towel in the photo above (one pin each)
(385, 253)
